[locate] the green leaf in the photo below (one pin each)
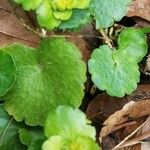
(69, 4)
(106, 12)
(45, 16)
(64, 15)
(32, 137)
(84, 143)
(80, 143)
(25, 137)
(113, 72)
(63, 4)
(145, 30)
(68, 128)
(82, 4)
(7, 72)
(53, 74)
(117, 71)
(28, 5)
(79, 18)
(133, 43)
(36, 145)
(54, 143)
(68, 123)
(9, 138)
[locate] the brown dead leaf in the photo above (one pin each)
(11, 28)
(145, 145)
(140, 135)
(130, 111)
(123, 134)
(146, 127)
(102, 106)
(140, 8)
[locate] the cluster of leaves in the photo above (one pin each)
(65, 128)
(18, 136)
(117, 70)
(68, 129)
(71, 14)
(45, 86)
(34, 78)
(51, 13)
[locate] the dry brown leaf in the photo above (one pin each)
(138, 138)
(130, 111)
(102, 106)
(140, 8)
(11, 28)
(145, 145)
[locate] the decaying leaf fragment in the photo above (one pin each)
(140, 8)
(131, 110)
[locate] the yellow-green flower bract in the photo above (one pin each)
(50, 13)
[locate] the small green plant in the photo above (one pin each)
(42, 88)
(68, 129)
(51, 13)
(117, 70)
(43, 77)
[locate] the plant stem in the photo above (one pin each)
(130, 135)
(106, 38)
(43, 32)
(136, 140)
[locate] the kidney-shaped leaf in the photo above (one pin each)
(106, 12)
(113, 72)
(7, 72)
(117, 71)
(53, 74)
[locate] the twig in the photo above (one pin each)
(136, 140)
(106, 38)
(43, 32)
(125, 139)
(93, 89)
(79, 36)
